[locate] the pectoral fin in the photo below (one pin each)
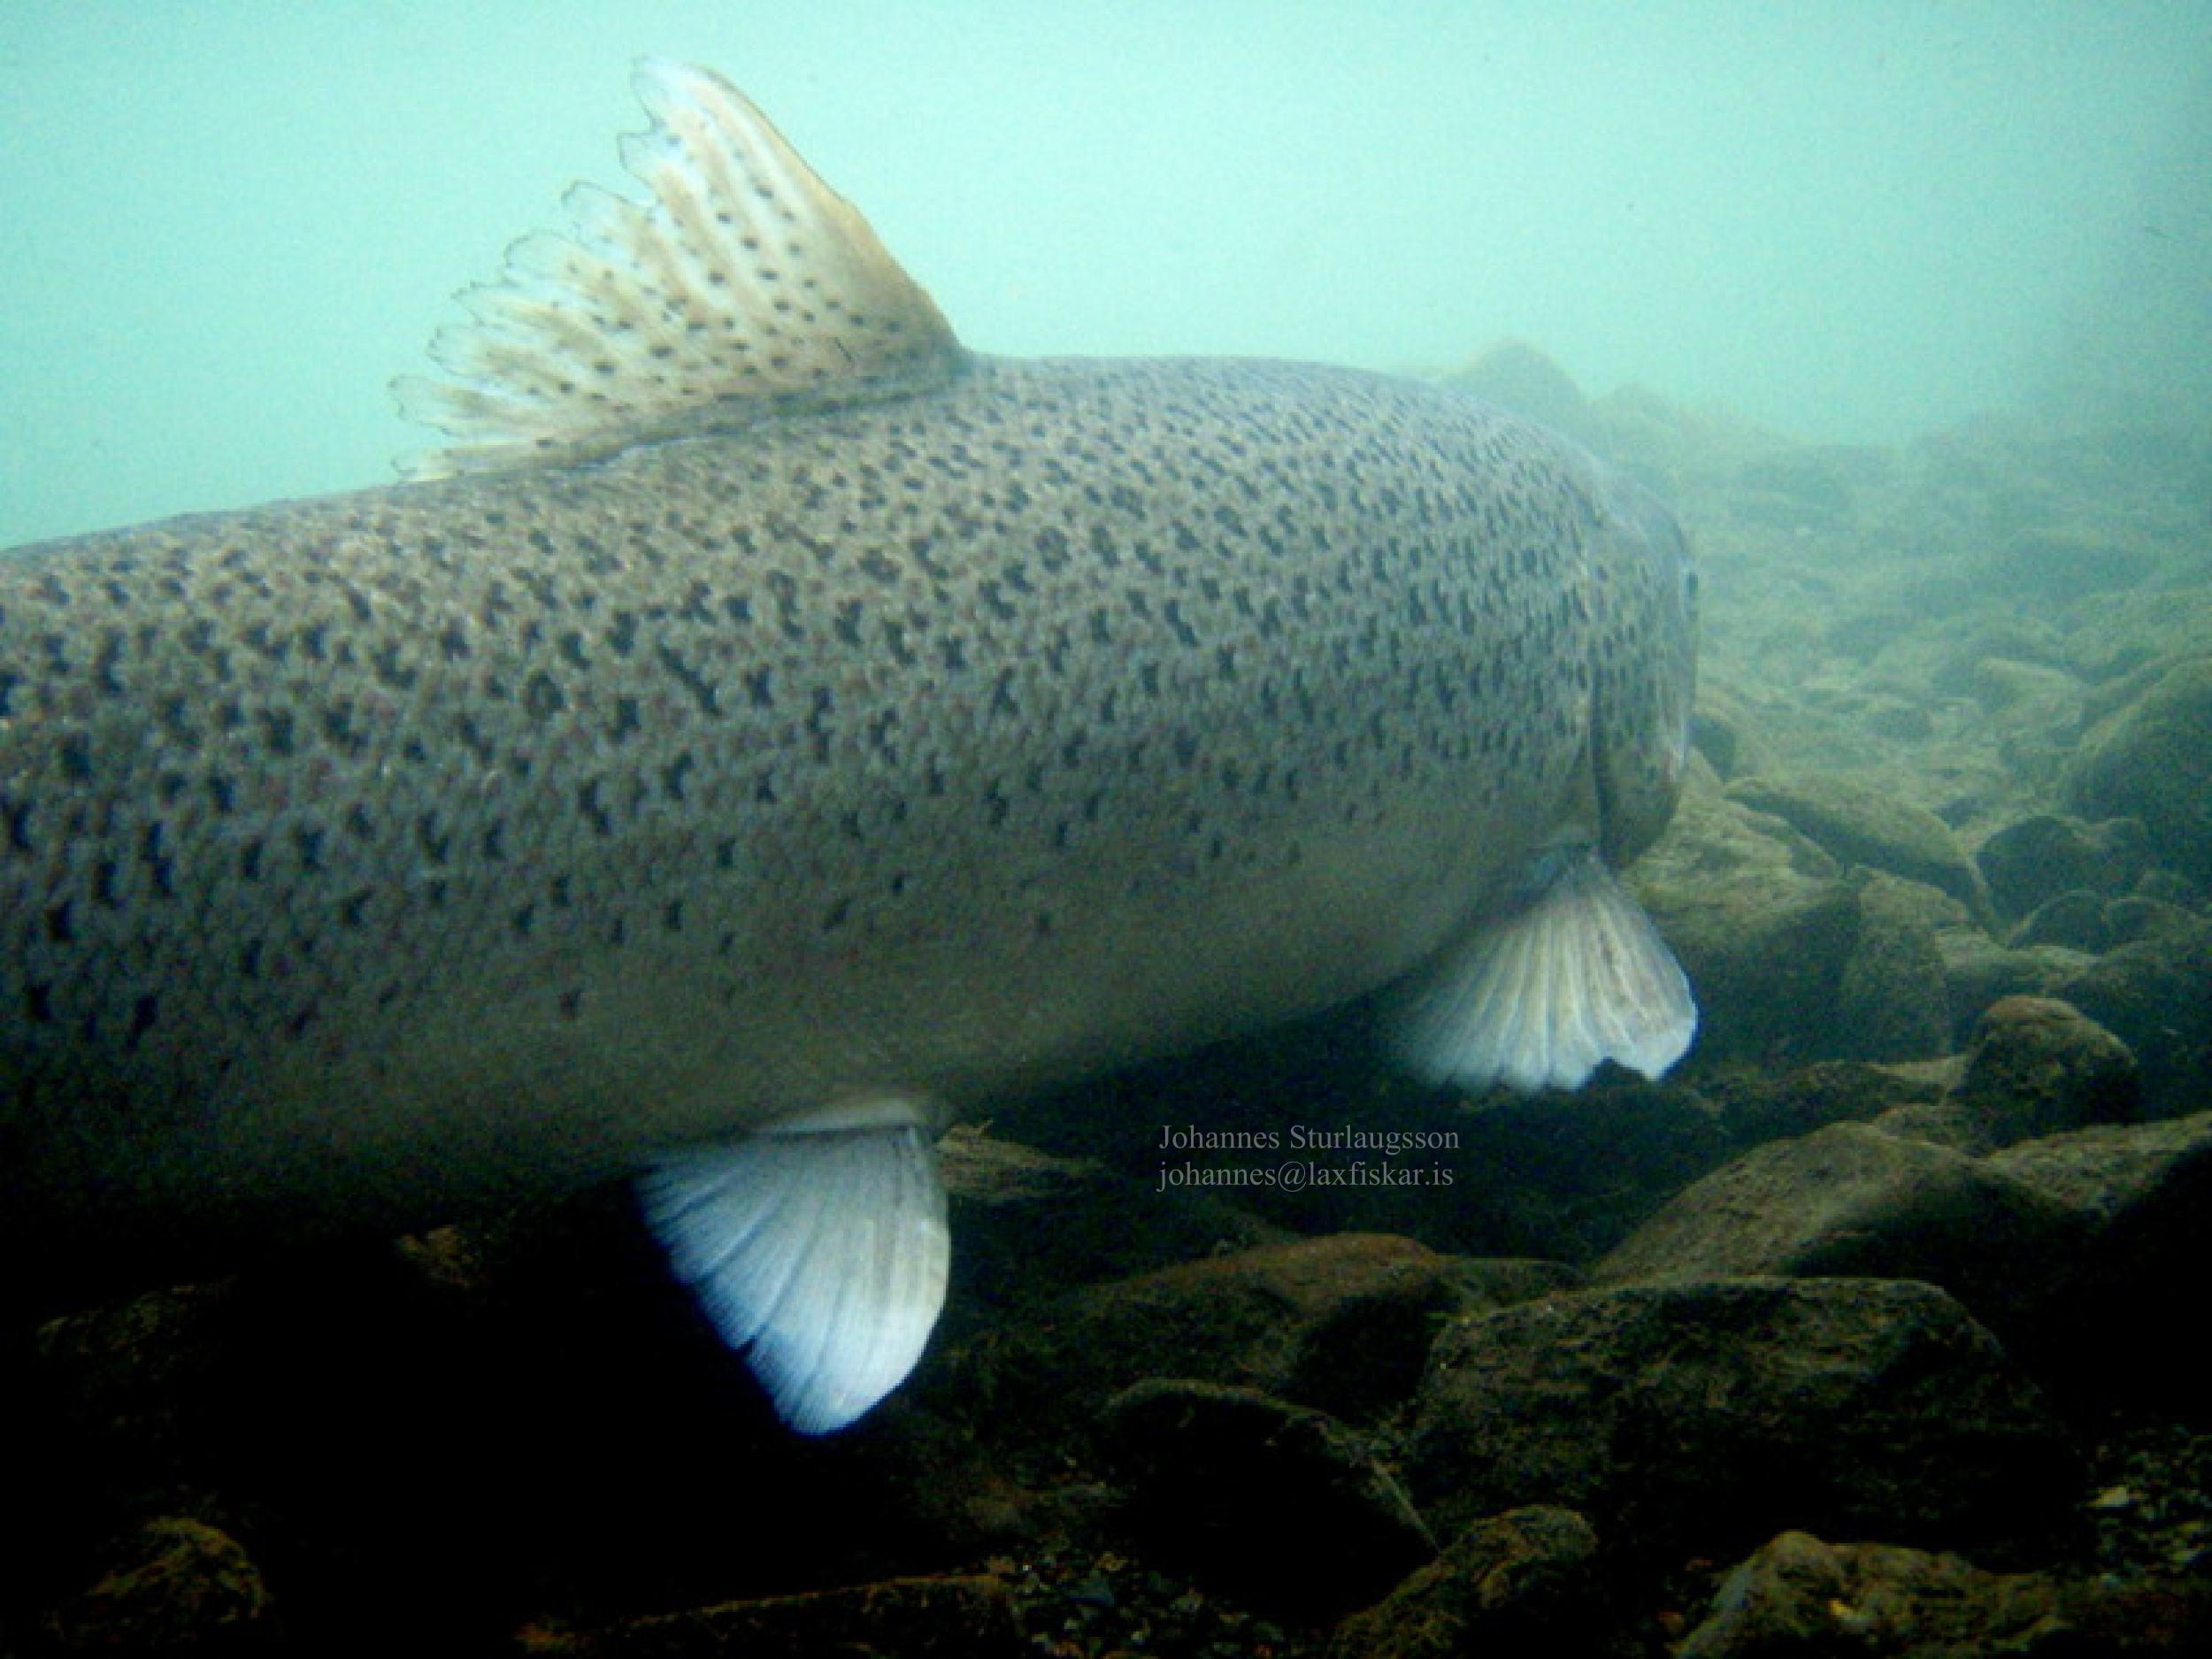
(820, 1247)
(1569, 973)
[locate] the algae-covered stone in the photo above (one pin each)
(1894, 1000)
(2123, 1322)
(1706, 1416)
(1516, 375)
(2064, 561)
(1864, 823)
(2074, 919)
(2041, 1067)
(1523, 1584)
(2154, 993)
(1342, 1322)
(1852, 1202)
(175, 1586)
(1978, 970)
(1800, 1594)
(1762, 919)
(1284, 1506)
(1725, 730)
(2153, 760)
(1758, 1105)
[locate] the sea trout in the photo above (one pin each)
(773, 730)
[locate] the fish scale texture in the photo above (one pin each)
(931, 741)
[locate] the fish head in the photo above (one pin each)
(1644, 671)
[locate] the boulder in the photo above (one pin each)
(2039, 1067)
(175, 1586)
(2154, 993)
(2036, 858)
(1341, 1324)
(1761, 920)
(2059, 563)
(1801, 1595)
(1758, 1105)
(2152, 760)
(1705, 1416)
(1284, 1507)
(1850, 1200)
(1894, 1000)
(2074, 920)
(2121, 1324)
(1516, 375)
(1865, 823)
(1978, 970)
(1523, 1584)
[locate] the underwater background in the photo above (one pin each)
(1874, 1327)
(231, 223)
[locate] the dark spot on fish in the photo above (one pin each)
(571, 1004)
(595, 809)
(38, 1003)
(472, 739)
(703, 691)
(76, 758)
(277, 731)
(542, 697)
(434, 842)
(392, 669)
(108, 661)
(154, 851)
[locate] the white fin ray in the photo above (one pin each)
(822, 1251)
(743, 287)
(1571, 975)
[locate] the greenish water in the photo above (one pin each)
(228, 224)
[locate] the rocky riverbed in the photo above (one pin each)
(1871, 1330)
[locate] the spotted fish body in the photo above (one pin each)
(734, 804)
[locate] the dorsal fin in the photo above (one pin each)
(744, 287)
